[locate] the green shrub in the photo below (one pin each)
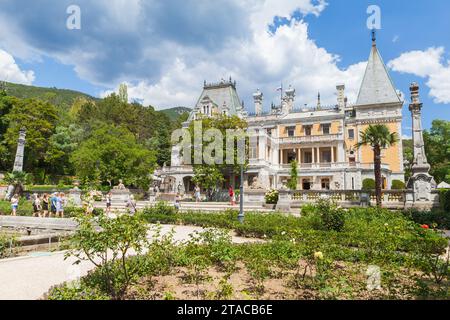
(398, 185)
(368, 184)
(5, 243)
(25, 208)
(333, 217)
(444, 196)
(73, 292)
(160, 208)
(435, 218)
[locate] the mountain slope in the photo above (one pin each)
(60, 97)
(175, 113)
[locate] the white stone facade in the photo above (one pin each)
(321, 139)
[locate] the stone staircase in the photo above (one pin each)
(185, 206)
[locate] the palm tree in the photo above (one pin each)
(17, 179)
(378, 137)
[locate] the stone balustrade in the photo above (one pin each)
(392, 199)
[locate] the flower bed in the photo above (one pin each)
(303, 258)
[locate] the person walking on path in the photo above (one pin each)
(232, 196)
(58, 204)
(14, 204)
(53, 203)
(45, 205)
(177, 202)
(197, 193)
(131, 205)
(37, 208)
(108, 203)
(63, 202)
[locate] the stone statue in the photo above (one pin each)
(120, 186)
(284, 186)
(256, 185)
(120, 193)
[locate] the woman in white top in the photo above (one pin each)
(14, 204)
(197, 194)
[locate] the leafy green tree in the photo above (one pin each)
(39, 118)
(112, 153)
(437, 148)
(152, 129)
(208, 177)
(61, 145)
(408, 157)
(293, 180)
(378, 137)
(221, 123)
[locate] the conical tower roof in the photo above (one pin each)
(377, 86)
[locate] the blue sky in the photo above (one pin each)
(165, 49)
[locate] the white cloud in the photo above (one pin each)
(264, 61)
(10, 71)
(427, 64)
(165, 50)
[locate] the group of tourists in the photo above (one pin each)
(45, 206)
(49, 205)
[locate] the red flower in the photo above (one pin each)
(425, 226)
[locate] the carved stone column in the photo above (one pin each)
(18, 163)
(421, 181)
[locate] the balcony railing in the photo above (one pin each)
(312, 139)
(333, 165)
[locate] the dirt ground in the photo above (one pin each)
(348, 282)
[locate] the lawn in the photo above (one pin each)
(328, 253)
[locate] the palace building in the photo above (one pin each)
(321, 139)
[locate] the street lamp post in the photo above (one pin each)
(241, 196)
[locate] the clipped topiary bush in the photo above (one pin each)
(368, 184)
(398, 185)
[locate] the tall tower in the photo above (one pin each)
(288, 100)
(421, 181)
(18, 163)
(258, 98)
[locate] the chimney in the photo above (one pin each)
(258, 98)
(341, 96)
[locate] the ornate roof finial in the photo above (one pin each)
(319, 105)
(374, 38)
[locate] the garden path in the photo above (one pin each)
(29, 277)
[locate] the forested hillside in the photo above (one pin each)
(72, 134)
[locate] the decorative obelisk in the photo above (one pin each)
(421, 181)
(18, 162)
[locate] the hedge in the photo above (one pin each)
(444, 196)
